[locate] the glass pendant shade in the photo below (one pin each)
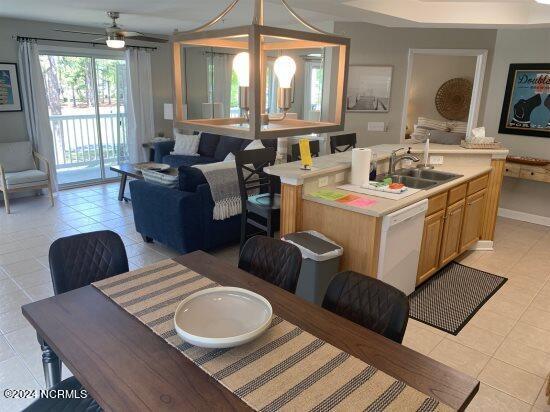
(115, 42)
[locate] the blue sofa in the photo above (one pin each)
(182, 218)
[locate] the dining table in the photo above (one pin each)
(125, 366)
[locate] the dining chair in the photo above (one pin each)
(77, 261)
(343, 142)
(314, 148)
(370, 303)
(272, 260)
(260, 204)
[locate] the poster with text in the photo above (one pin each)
(526, 106)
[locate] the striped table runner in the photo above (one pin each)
(286, 368)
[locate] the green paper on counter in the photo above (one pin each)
(328, 194)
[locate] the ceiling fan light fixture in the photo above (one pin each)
(115, 41)
(543, 1)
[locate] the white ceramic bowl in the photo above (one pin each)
(222, 317)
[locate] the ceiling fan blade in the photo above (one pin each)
(100, 39)
(130, 33)
(149, 39)
(78, 32)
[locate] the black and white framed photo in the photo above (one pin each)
(526, 105)
(369, 89)
(10, 97)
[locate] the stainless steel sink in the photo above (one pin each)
(420, 178)
(412, 182)
(428, 174)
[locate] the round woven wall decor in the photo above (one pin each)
(452, 100)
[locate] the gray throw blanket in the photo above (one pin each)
(224, 185)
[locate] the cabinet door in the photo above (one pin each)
(450, 244)
(473, 215)
(431, 241)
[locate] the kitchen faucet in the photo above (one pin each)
(394, 159)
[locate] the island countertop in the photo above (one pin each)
(384, 206)
(290, 173)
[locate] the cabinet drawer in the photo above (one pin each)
(534, 173)
(511, 170)
(457, 193)
(477, 184)
(437, 203)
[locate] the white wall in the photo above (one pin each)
(518, 46)
(377, 45)
(429, 72)
(13, 123)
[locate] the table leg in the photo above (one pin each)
(51, 364)
(123, 178)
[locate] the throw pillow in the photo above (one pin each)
(254, 145)
(441, 137)
(187, 145)
(229, 158)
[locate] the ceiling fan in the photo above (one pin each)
(115, 36)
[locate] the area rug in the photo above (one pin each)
(453, 296)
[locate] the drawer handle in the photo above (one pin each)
(532, 173)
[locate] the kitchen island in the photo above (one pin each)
(461, 214)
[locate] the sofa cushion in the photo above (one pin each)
(180, 160)
(16, 156)
(190, 178)
(208, 144)
(25, 177)
(226, 145)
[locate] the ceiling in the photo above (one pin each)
(163, 16)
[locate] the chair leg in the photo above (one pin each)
(269, 228)
(6, 201)
(244, 219)
(51, 364)
(50, 190)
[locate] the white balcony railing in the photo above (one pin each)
(76, 139)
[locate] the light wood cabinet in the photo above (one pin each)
(450, 242)
(428, 262)
(473, 215)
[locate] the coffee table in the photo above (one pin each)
(132, 170)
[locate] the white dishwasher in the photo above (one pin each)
(400, 243)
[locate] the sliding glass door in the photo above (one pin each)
(86, 100)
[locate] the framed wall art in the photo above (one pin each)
(526, 105)
(369, 89)
(10, 97)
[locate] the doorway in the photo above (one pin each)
(87, 109)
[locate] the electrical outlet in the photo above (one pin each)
(323, 181)
(436, 160)
(340, 177)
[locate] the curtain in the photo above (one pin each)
(35, 104)
(141, 127)
(223, 69)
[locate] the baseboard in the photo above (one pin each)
(524, 217)
(483, 245)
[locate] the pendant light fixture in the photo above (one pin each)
(263, 56)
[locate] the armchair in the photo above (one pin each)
(20, 170)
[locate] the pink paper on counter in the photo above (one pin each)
(361, 202)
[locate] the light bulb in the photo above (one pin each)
(284, 69)
(543, 1)
(241, 65)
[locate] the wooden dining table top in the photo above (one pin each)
(125, 366)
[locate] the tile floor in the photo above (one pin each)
(506, 345)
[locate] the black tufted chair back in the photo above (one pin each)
(272, 260)
(370, 303)
(79, 260)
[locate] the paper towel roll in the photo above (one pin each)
(360, 166)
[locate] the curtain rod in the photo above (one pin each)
(18, 38)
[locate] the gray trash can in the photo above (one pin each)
(321, 260)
